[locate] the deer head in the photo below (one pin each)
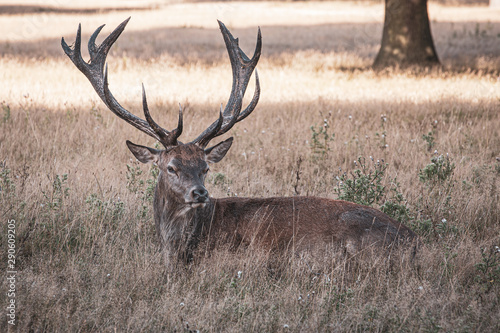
(182, 166)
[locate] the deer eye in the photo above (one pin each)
(206, 170)
(171, 170)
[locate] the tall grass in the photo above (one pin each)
(88, 257)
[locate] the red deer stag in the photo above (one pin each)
(184, 213)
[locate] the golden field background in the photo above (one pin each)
(87, 256)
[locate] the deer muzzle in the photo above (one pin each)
(198, 195)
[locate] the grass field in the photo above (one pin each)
(87, 257)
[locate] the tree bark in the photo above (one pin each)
(407, 38)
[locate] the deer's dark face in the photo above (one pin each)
(183, 169)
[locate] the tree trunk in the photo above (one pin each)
(407, 38)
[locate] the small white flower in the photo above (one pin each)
(350, 117)
(420, 288)
(108, 275)
(239, 274)
(443, 220)
(63, 289)
(263, 131)
(285, 326)
(386, 146)
(435, 151)
(181, 304)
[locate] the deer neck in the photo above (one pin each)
(179, 226)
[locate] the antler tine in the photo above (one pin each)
(178, 131)
(96, 73)
(254, 101)
(167, 139)
(242, 68)
(212, 133)
(75, 53)
(93, 51)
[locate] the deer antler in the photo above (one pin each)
(97, 74)
(242, 68)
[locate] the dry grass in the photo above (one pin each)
(87, 253)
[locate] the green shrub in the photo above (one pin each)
(321, 139)
(438, 171)
(365, 186)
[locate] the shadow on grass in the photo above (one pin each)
(32, 9)
(460, 45)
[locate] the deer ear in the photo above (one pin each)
(144, 154)
(216, 153)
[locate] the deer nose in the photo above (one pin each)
(199, 194)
